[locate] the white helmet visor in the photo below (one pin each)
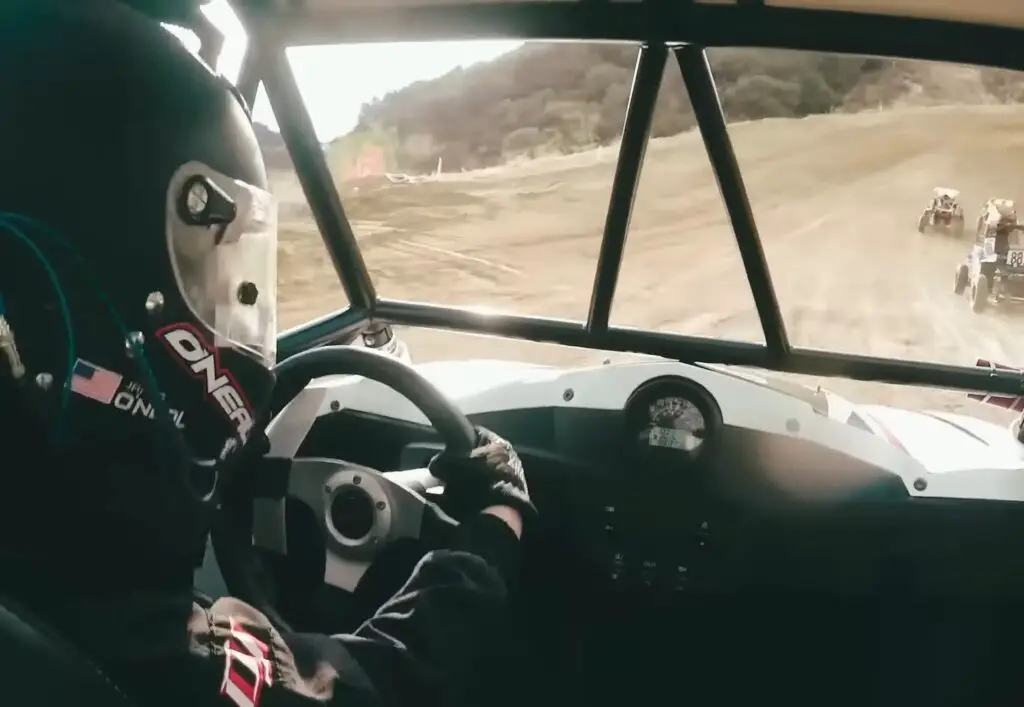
(222, 240)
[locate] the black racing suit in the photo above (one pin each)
(424, 647)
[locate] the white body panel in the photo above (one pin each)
(936, 454)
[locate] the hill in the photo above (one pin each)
(562, 98)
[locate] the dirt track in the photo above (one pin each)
(836, 199)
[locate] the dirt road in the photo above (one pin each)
(836, 199)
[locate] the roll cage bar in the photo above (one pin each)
(666, 30)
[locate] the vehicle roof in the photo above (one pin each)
(943, 191)
(763, 22)
(982, 32)
(998, 12)
(317, 16)
(1008, 13)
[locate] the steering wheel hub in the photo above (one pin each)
(352, 513)
(358, 509)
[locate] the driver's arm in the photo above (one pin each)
(423, 647)
(428, 644)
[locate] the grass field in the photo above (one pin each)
(836, 199)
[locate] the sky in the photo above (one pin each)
(336, 81)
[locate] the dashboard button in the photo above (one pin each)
(703, 535)
(609, 519)
(681, 578)
(649, 573)
(618, 566)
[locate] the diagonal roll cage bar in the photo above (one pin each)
(636, 131)
(700, 85)
(681, 30)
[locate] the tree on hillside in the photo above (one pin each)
(566, 97)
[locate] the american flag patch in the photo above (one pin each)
(1007, 402)
(95, 382)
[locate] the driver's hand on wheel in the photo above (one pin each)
(490, 479)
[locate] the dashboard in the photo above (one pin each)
(664, 479)
(679, 500)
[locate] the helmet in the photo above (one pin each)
(137, 268)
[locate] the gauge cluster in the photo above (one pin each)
(671, 428)
(675, 423)
(670, 421)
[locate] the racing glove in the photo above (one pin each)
(492, 475)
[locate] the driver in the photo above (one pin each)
(1005, 232)
(137, 336)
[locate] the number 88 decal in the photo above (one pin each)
(1015, 258)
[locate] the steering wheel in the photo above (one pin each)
(359, 510)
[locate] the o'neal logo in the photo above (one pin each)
(202, 361)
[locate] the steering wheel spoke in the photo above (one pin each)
(360, 511)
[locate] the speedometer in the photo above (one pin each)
(672, 422)
(675, 423)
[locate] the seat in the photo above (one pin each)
(38, 668)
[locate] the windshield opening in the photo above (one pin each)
(479, 173)
(484, 187)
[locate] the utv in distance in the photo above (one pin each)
(943, 213)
